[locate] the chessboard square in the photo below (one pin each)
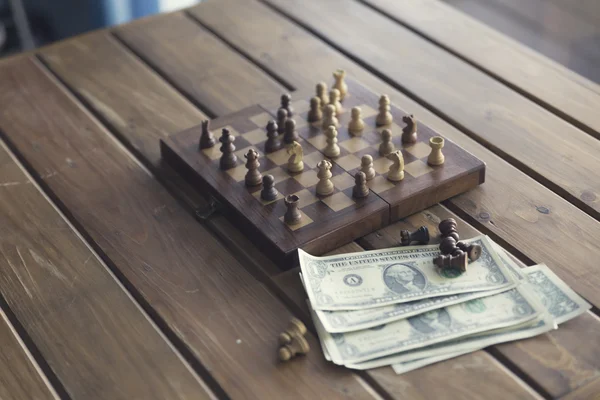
(300, 106)
(380, 184)
(417, 168)
(242, 152)
(279, 174)
(419, 150)
(354, 144)
(311, 160)
(261, 120)
(367, 111)
(256, 136)
(382, 165)
(303, 222)
(264, 202)
(300, 122)
(238, 173)
(306, 198)
(343, 181)
(338, 201)
(307, 178)
(319, 141)
(212, 152)
(348, 162)
(279, 157)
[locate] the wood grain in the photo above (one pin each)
(523, 133)
(556, 87)
(65, 298)
(212, 307)
(20, 376)
(560, 361)
(218, 79)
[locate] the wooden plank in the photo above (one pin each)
(20, 375)
(510, 205)
(65, 298)
(563, 91)
(530, 137)
(218, 79)
(558, 362)
(212, 308)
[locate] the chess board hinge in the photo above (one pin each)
(204, 213)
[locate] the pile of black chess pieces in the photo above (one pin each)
(455, 254)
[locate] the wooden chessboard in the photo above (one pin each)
(331, 221)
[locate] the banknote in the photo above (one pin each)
(508, 308)
(378, 278)
(401, 368)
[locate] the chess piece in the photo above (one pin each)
(396, 171)
(473, 250)
(315, 113)
(436, 157)
(329, 117)
(331, 149)
(295, 163)
(339, 84)
(228, 158)
(207, 140)
(447, 227)
(292, 215)
(324, 186)
(297, 346)
(458, 262)
(290, 135)
(360, 185)
(421, 236)
(356, 124)
(295, 328)
(386, 146)
(366, 166)
(334, 100)
(273, 143)
(286, 104)
(322, 93)
(448, 245)
(253, 176)
(281, 118)
(409, 132)
(384, 117)
(268, 192)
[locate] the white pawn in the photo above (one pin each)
(332, 149)
(322, 93)
(386, 146)
(329, 117)
(334, 100)
(384, 117)
(356, 124)
(366, 166)
(396, 171)
(324, 186)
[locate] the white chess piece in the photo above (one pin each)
(324, 186)
(366, 166)
(332, 149)
(396, 171)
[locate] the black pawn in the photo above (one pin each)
(207, 140)
(448, 228)
(228, 158)
(421, 236)
(273, 143)
(268, 192)
(472, 250)
(290, 135)
(282, 115)
(286, 101)
(360, 185)
(448, 245)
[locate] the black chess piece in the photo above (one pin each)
(473, 250)
(228, 158)
(282, 115)
(360, 185)
(292, 216)
(273, 143)
(448, 245)
(286, 103)
(268, 192)
(457, 262)
(207, 140)
(448, 228)
(421, 236)
(253, 176)
(290, 135)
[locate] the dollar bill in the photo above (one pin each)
(401, 368)
(509, 308)
(378, 278)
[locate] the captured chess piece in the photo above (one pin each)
(228, 158)
(273, 143)
(360, 185)
(421, 236)
(409, 133)
(290, 135)
(297, 346)
(473, 250)
(334, 100)
(207, 140)
(449, 246)
(292, 216)
(329, 117)
(396, 171)
(322, 93)
(315, 113)
(384, 117)
(436, 157)
(366, 166)
(295, 328)
(458, 262)
(253, 176)
(296, 153)
(268, 192)
(356, 124)
(282, 115)
(386, 146)
(447, 227)
(331, 149)
(339, 84)
(286, 103)
(324, 186)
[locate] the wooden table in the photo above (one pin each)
(111, 289)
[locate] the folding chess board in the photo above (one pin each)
(327, 221)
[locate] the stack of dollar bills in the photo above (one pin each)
(395, 307)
